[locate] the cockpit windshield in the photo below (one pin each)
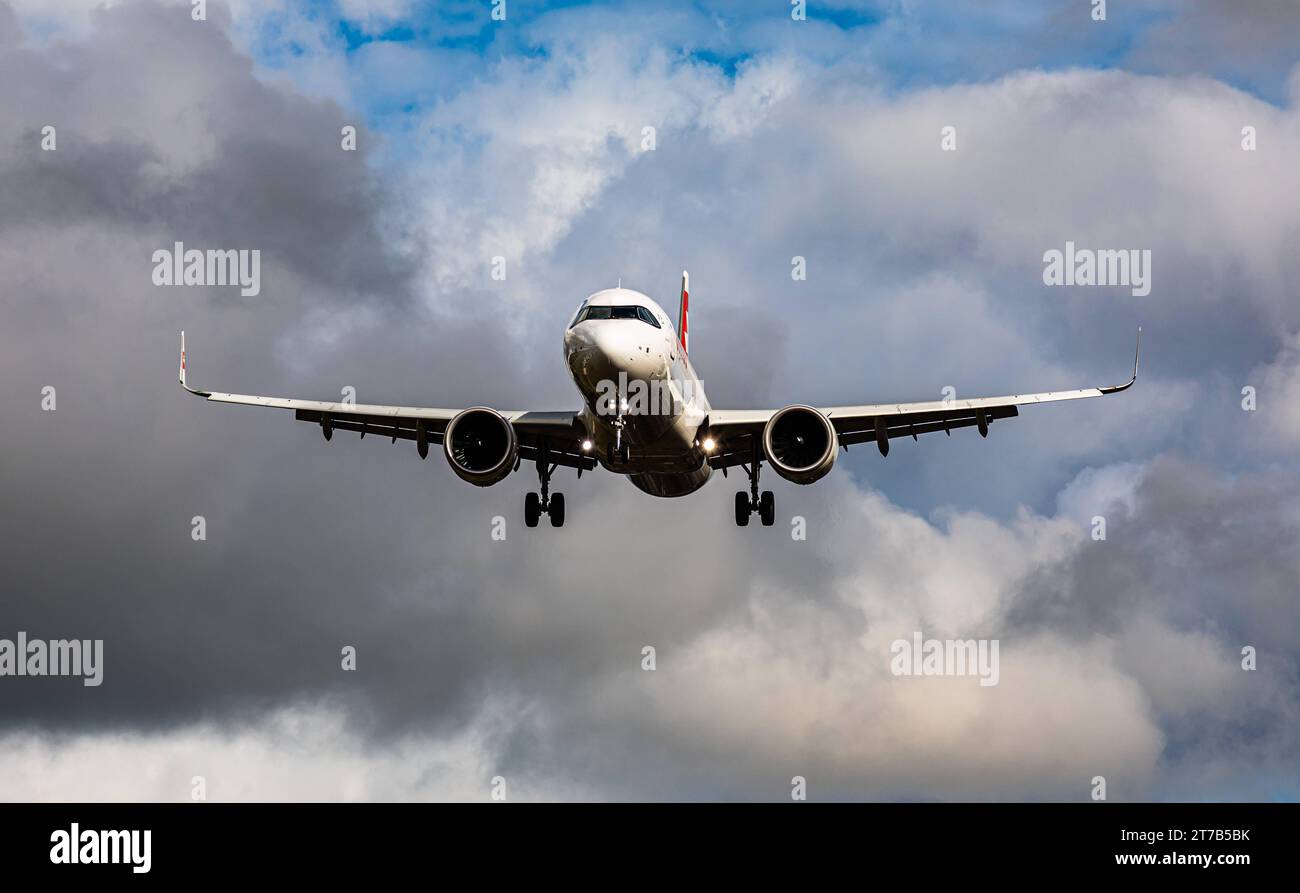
(622, 312)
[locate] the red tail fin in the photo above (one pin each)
(682, 327)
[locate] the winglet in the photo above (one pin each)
(1137, 352)
(181, 374)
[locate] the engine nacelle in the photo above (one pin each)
(800, 444)
(481, 446)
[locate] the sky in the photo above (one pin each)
(522, 659)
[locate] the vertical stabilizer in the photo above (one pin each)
(683, 329)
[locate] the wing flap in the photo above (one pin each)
(927, 423)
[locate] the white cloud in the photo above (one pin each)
(1277, 398)
(1096, 491)
(292, 754)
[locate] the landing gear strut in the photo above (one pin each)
(618, 450)
(547, 503)
(753, 501)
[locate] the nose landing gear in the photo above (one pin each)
(547, 503)
(618, 450)
(748, 503)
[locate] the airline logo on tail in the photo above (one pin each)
(681, 314)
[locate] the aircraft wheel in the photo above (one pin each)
(742, 508)
(556, 510)
(532, 509)
(767, 508)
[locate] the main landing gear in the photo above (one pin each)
(547, 503)
(748, 503)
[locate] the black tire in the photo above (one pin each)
(532, 509)
(742, 509)
(556, 510)
(767, 508)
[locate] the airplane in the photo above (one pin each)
(645, 416)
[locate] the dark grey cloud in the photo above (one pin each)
(1194, 543)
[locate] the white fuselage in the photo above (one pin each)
(634, 375)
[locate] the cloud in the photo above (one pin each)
(1211, 36)
(518, 158)
(784, 671)
(305, 754)
(1277, 398)
(1097, 490)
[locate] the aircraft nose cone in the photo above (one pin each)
(613, 346)
(615, 342)
(634, 352)
(592, 359)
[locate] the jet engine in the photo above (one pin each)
(481, 446)
(800, 444)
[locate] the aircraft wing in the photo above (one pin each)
(424, 425)
(734, 430)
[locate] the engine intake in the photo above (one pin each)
(800, 444)
(481, 446)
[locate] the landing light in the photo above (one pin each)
(586, 446)
(709, 444)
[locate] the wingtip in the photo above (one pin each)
(181, 374)
(1137, 354)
